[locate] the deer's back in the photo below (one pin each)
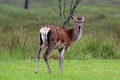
(60, 36)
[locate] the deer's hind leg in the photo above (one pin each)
(51, 46)
(42, 47)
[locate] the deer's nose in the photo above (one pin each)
(79, 27)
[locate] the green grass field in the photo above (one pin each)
(96, 56)
(72, 70)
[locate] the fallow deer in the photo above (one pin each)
(54, 37)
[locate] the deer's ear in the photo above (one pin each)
(82, 17)
(73, 16)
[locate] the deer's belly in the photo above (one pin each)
(59, 45)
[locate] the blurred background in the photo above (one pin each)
(19, 28)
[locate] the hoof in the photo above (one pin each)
(49, 72)
(36, 72)
(59, 72)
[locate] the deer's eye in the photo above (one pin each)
(75, 21)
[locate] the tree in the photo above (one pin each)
(62, 11)
(26, 4)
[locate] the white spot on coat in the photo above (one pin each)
(44, 31)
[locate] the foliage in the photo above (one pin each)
(19, 32)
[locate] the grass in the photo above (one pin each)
(19, 41)
(94, 45)
(19, 31)
(72, 70)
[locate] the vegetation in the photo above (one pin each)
(95, 56)
(19, 32)
(72, 70)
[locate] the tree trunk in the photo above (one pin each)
(26, 4)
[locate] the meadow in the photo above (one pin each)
(19, 32)
(72, 70)
(96, 56)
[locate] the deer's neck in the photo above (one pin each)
(76, 33)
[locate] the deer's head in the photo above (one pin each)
(79, 21)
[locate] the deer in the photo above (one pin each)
(54, 37)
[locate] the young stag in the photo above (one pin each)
(58, 38)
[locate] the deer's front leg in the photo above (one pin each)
(61, 54)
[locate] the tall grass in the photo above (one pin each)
(22, 45)
(95, 45)
(19, 44)
(19, 33)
